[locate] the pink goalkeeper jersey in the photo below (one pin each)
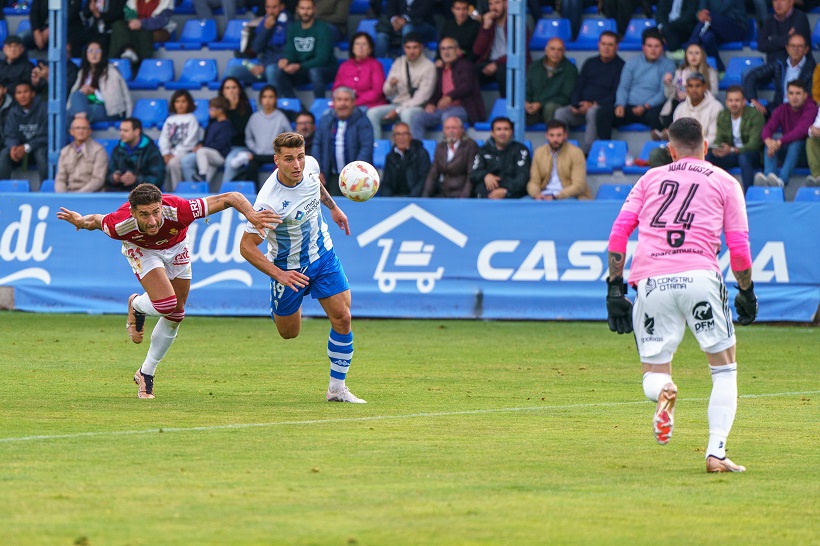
(681, 210)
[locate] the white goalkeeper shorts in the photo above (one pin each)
(176, 260)
(666, 304)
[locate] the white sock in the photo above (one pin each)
(722, 408)
(336, 384)
(161, 339)
(142, 303)
(653, 383)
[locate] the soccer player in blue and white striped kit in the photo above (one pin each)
(300, 258)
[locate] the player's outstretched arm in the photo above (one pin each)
(89, 221)
(618, 307)
(249, 248)
(261, 220)
(336, 214)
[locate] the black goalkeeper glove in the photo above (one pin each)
(618, 307)
(746, 305)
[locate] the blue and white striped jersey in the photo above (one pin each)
(302, 237)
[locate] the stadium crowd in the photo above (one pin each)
(389, 81)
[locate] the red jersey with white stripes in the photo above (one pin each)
(177, 215)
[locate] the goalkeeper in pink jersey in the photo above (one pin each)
(153, 229)
(680, 210)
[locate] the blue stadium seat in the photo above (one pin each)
(648, 146)
(286, 103)
(47, 186)
(808, 194)
(760, 193)
(108, 143)
(614, 153)
(751, 37)
(616, 192)
(17, 185)
(124, 68)
(386, 64)
(18, 9)
(151, 112)
(201, 112)
(319, 107)
(359, 7)
(591, 29)
(549, 28)
(195, 73)
(152, 74)
(231, 37)
(4, 29)
(632, 38)
(195, 34)
(499, 109)
(430, 146)
(736, 68)
(23, 27)
(381, 148)
(184, 7)
(194, 188)
(244, 187)
(368, 26)
(815, 35)
(214, 85)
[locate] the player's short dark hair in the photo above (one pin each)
(556, 124)
(611, 34)
(144, 194)
(221, 103)
(651, 32)
(686, 133)
(502, 119)
(288, 140)
(797, 83)
(735, 89)
(136, 124)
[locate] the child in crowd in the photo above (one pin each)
(180, 133)
(208, 155)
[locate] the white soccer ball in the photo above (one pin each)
(359, 181)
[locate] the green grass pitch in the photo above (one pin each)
(490, 433)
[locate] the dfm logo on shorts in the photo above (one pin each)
(702, 312)
(413, 258)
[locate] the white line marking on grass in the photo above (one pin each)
(368, 418)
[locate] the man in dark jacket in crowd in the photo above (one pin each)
(15, 67)
(25, 133)
(346, 126)
(134, 160)
(406, 166)
(453, 160)
(502, 166)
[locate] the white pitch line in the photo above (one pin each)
(369, 418)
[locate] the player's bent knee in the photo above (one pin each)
(165, 306)
(176, 316)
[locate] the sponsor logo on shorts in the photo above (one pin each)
(182, 258)
(703, 312)
(668, 283)
(650, 285)
(649, 324)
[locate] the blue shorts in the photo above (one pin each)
(327, 278)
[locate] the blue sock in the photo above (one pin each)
(340, 352)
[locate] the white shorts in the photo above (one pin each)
(176, 260)
(667, 303)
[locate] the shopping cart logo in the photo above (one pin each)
(412, 262)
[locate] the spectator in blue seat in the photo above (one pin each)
(676, 20)
(99, 16)
(793, 120)
(501, 168)
(268, 45)
(83, 162)
(453, 159)
(306, 126)
(14, 68)
(674, 85)
(595, 88)
(308, 55)
(99, 90)
(462, 27)
(778, 28)
(344, 135)
(134, 160)
(490, 47)
(738, 142)
(239, 112)
(209, 154)
(558, 170)
(363, 73)
(719, 21)
(550, 83)
(180, 133)
(402, 18)
(456, 93)
(406, 165)
(25, 133)
(145, 22)
(799, 65)
(38, 18)
(640, 94)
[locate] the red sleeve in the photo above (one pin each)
(188, 210)
(110, 220)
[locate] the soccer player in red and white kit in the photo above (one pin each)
(153, 229)
(680, 211)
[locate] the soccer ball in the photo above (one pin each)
(359, 181)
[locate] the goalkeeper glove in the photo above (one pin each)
(746, 305)
(618, 307)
